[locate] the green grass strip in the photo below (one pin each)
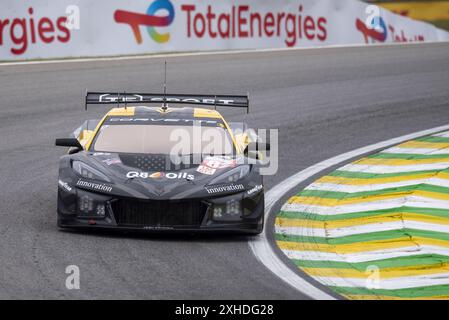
(398, 262)
(364, 237)
(348, 195)
(433, 139)
(418, 292)
(364, 214)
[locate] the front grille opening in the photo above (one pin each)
(135, 213)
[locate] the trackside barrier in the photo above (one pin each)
(81, 28)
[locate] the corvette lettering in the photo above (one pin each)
(94, 186)
(164, 120)
(228, 188)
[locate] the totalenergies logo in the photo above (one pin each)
(376, 30)
(149, 19)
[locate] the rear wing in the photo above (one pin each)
(203, 100)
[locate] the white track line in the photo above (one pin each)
(427, 151)
(367, 168)
(395, 223)
(442, 134)
(353, 188)
(193, 54)
(367, 256)
(398, 283)
(260, 245)
(397, 202)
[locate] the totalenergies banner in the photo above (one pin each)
(80, 28)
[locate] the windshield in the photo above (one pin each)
(180, 139)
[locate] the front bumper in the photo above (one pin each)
(237, 213)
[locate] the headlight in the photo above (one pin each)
(231, 210)
(88, 172)
(232, 175)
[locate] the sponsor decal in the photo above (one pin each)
(378, 31)
(160, 175)
(30, 30)
(112, 161)
(206, 170)
(210, 164)
(219, 162)
(115, 98)
(238, 22)
(126, 97)
(149, 19)
(156, 175)
(243, 22)
(257, 188)
(227, 188)
(64, 185)
(94, 186)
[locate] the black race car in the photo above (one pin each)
(162, 168)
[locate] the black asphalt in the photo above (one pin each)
(323, 101)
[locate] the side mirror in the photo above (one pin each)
(253, 148)
(69, 142)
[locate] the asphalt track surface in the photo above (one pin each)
(323, 101)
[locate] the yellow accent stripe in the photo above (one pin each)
(206, 113)
(386, 273)
(384, 218)
(330, 202)
(128, 111)
(360, 247)
(423, 144)
(85, 136)
(370, 181)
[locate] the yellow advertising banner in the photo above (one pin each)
(420, 10)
